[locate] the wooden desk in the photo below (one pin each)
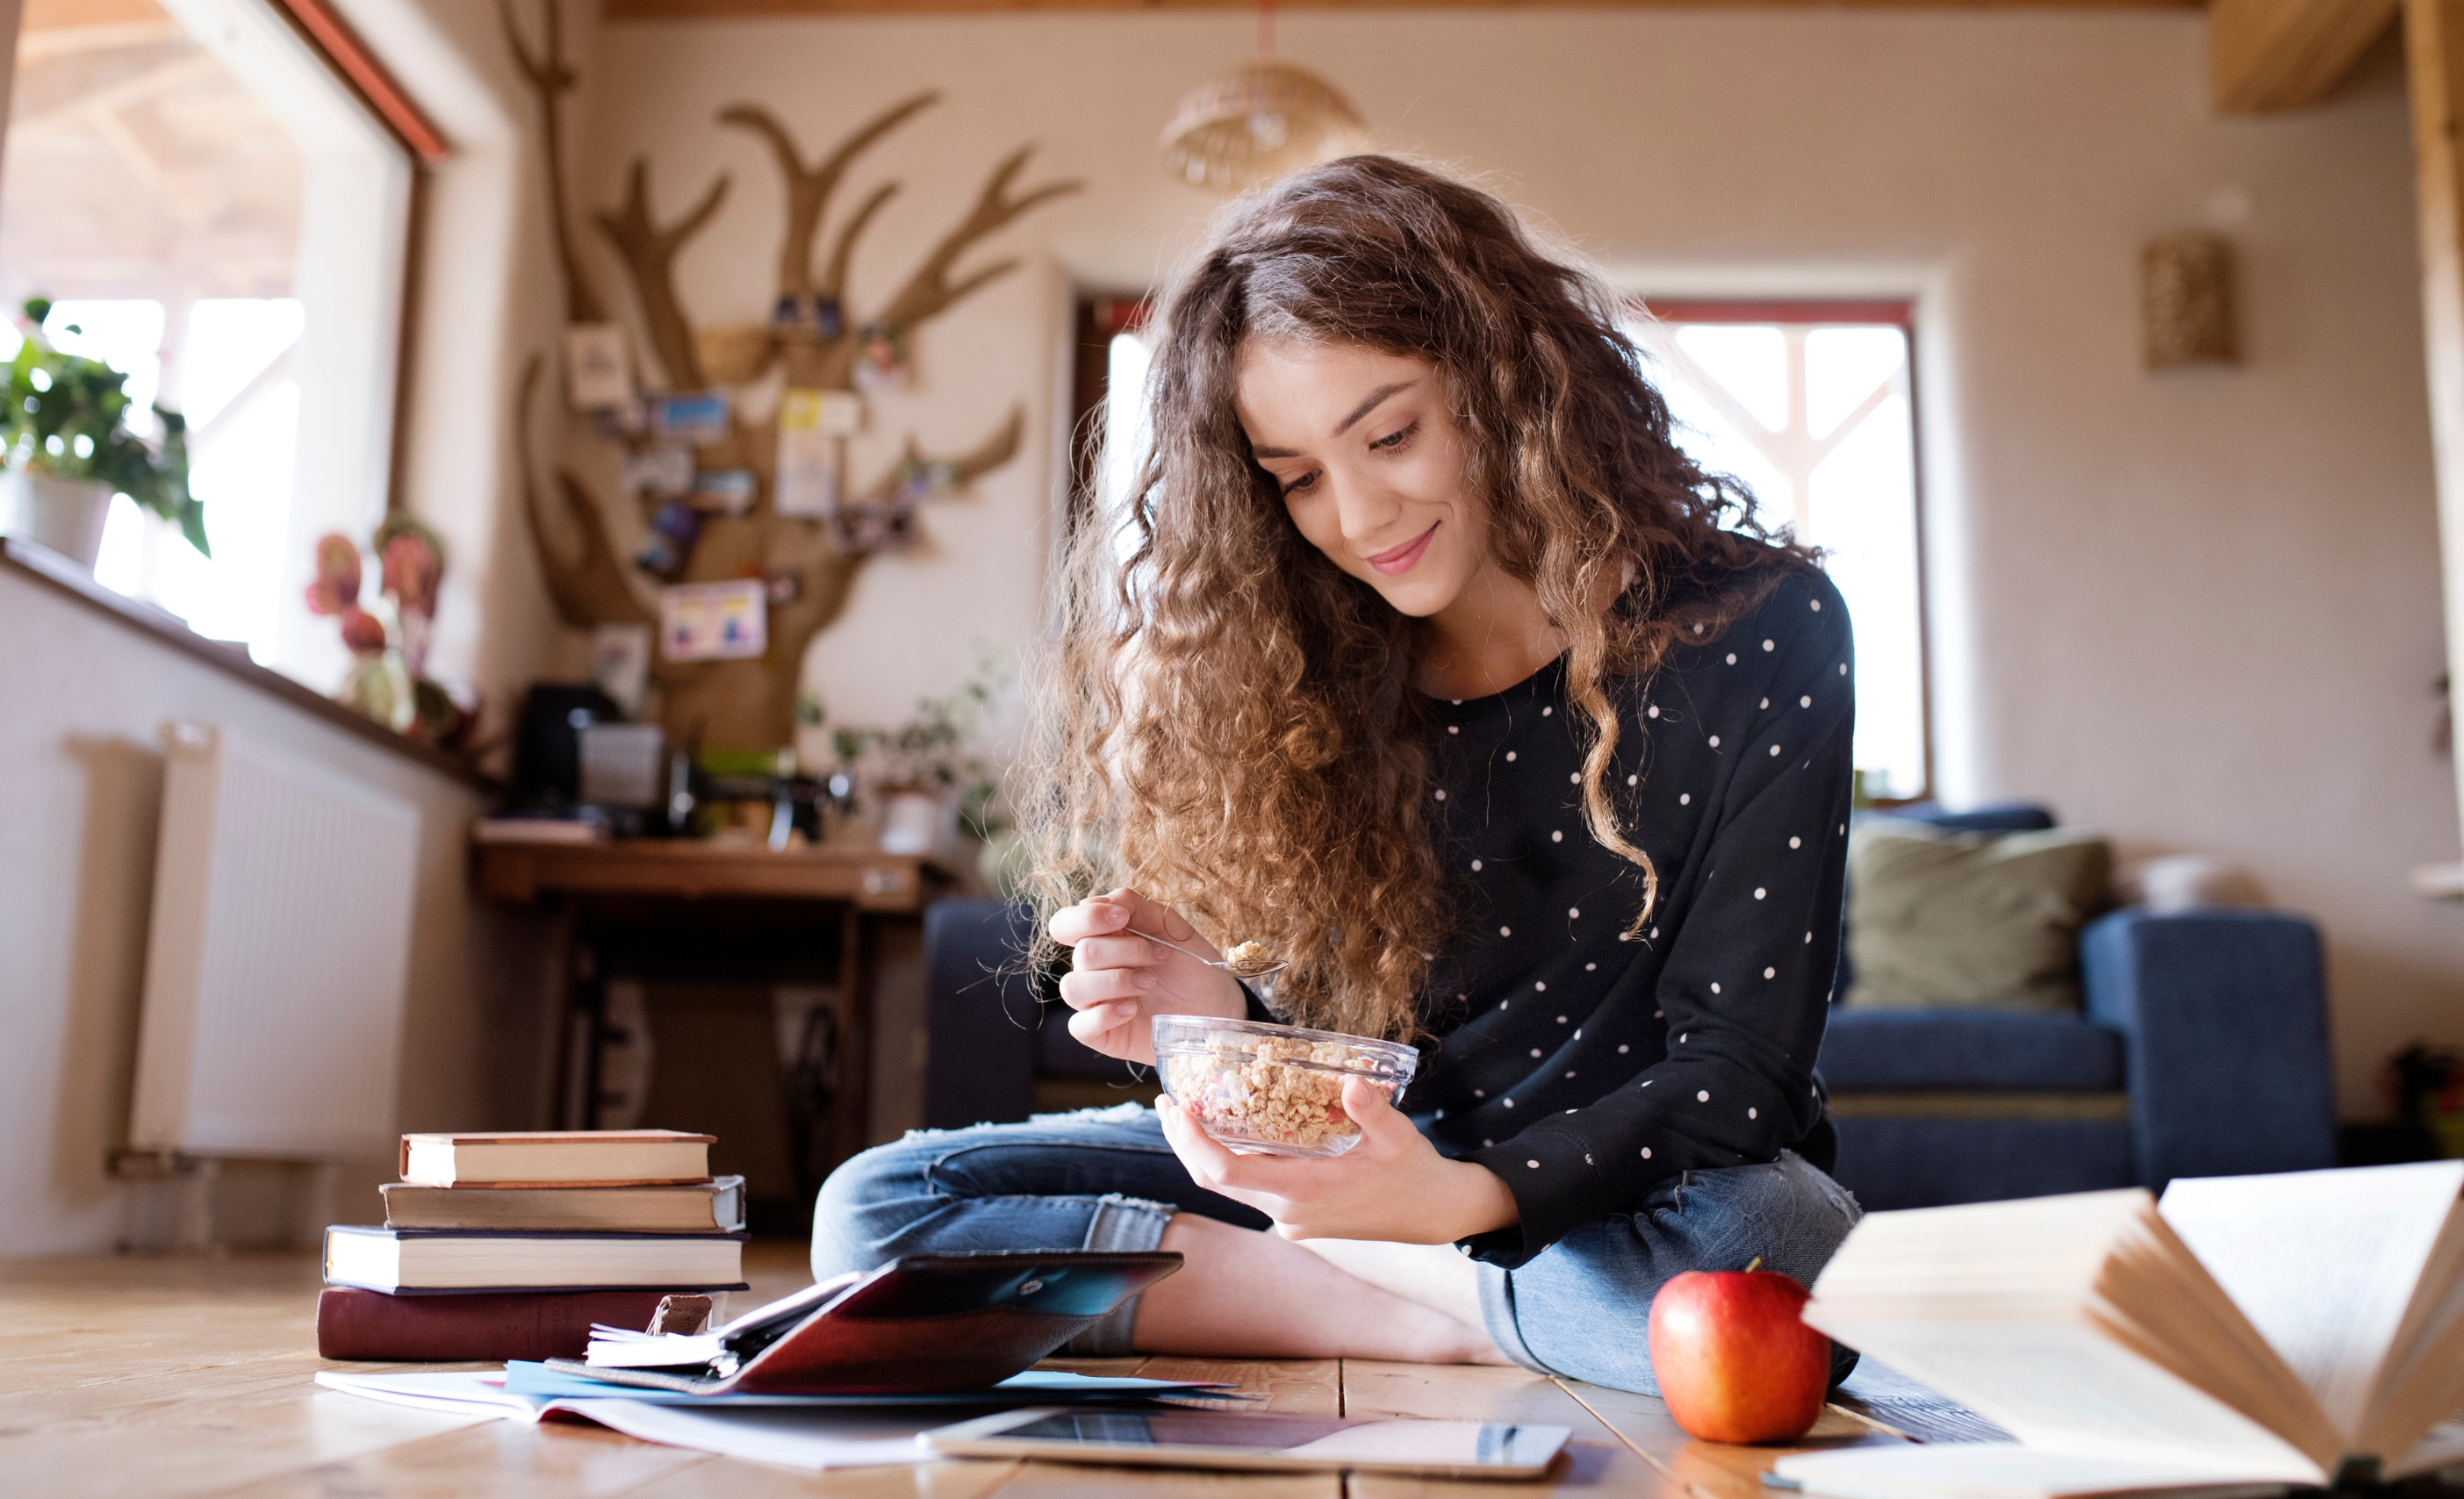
(692, 870)
(619, 879)
(182, 1378)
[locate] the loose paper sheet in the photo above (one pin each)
(808, 1439)
(596, 374)
(813, 428)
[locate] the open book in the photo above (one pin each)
(726, 1345)
(926, 1322)
(2249, 1330)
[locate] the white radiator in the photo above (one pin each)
(275, 969)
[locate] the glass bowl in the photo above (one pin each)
(1274, 1090)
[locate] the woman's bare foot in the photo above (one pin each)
(1244, 1294)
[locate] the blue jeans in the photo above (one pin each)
(1105, 1178)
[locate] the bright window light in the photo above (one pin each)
(1814, 415)
(217, 214)
(1126, 428)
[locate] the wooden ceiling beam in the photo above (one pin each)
(2270, 55)
(710, 9)
(2433, 37)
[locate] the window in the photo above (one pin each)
(1114, 349)
(1811, 405)
(219, 211)
(1126, 358)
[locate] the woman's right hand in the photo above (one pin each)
(1117, 980)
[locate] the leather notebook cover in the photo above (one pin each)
(929, 1322)
(485, 1326)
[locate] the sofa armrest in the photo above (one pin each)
(980, 1014)
(2224, 1018)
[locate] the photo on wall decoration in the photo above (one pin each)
(714, 621)
(597, 376)
(663, 471)
(813, 428)
(697, 417)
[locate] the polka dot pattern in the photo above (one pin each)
(1559, 1099)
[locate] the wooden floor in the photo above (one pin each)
(162, 1378)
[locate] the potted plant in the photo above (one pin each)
(65, 437)
(389, 680)
(929, 779)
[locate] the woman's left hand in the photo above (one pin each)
(1393, 1186)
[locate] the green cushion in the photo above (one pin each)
(1942, 918)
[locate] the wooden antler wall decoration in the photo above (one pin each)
(751, 703)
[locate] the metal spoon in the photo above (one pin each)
(1237, 973)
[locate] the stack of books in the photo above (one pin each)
(506, 1246)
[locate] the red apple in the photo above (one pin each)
(1735, 1361)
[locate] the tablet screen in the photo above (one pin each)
(1456, 1446)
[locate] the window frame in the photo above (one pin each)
(332, 41)
(321, 29)
(1898, 312)
(1101, 316)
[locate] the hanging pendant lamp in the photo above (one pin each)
(1260, 121)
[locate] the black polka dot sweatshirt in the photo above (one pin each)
(1583, 1067)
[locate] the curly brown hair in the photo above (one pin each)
(1226, 720)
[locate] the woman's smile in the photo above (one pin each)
(1399, 559)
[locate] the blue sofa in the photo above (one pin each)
(2202, 1051)
(994, 1053)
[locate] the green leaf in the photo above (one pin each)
(192, 525)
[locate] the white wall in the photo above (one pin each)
(81, 697)
(489, 300)
(2196, 610)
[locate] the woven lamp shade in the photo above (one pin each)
(1256, 124)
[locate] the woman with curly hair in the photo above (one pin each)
(1423, 656)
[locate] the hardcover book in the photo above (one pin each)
(418, 1260)
(2250, 1331)
(497, 1327)
(556, 1158)
(717, 1206)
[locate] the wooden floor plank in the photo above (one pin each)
(499, 1458)
(1595, 1463)
(1299, 1386)
(217, 1435)
(193, 1379)
(1465, 1391)
(1076, 1481)
(173, 1377)
(1589, 1469)
(1709, 1469)
(726, 1478)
